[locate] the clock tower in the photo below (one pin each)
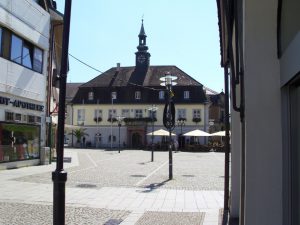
(142, 57)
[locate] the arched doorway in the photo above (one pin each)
(136, 140)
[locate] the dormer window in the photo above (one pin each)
(137, 95)
(161, 95)
(114, 95)
(91, 95)
(186, 94)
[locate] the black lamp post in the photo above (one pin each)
(169, 115)
(152, 110)
(181, 123)
(59, 176)
(120, 120)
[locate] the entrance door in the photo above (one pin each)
(136, 140)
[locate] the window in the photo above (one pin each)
(9, 116)
(114, 139)
(125, 113)
(181, 113)
(138, 113)
(91, 95)
(161, 95)
(137, 95)
(16, 49)
(18, 117)
(98, 113)
(38, 119)
(31, 119)
(114, 95)
(80, 116)
(26, 54)
(21, 142)
(196, 113)
(186, 94)
(152, 113)
(38, 60)
(112, 113)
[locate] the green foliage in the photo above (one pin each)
(112, 120)
(98, 119)
(143, 119)
(196, 120)
(79, 133)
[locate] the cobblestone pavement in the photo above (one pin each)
(105, 187)
(97, 169)
(38, 214)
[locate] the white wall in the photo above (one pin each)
(31, 22)
(263, 202)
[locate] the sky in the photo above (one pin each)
(181, 33)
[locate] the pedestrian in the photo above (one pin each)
(175, 145)
(83, 141)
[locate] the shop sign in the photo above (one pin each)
(21, 104)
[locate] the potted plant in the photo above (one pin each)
(98, 119)
(196, 120)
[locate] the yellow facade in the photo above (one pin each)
(89, 113)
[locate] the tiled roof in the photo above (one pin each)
(71, 90)
(117, 77)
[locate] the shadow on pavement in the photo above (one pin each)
(154, 186)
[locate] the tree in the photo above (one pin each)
(79, 133)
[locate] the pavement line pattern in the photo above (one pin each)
(149, 175)
(91, 159)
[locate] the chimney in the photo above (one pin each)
(118, 67)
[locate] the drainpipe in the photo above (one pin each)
(227, 145)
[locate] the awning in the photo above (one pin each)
(161, 132)
(197, 133)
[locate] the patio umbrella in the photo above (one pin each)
(161, 132)
(197, 133)
(219, 133)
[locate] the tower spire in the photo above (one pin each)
(142, 55)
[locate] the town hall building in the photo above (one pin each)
(135, 94)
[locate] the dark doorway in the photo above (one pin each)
(136, 140)
(181, 141)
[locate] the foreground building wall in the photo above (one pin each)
(263, 201)
(24, 56)
(261, 46)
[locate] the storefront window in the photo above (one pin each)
(19, 142)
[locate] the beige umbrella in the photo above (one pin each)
(219, 133)
(197, 133)
(161, 132)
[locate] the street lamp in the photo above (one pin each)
(152, 110)
(169, 114)
(113, 96)
(120, 120)
(59, 176)
(181, 123)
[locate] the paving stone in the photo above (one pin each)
(20, 213)
(174, 218)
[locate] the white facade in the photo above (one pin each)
(30, 23)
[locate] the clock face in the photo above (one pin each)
(141, 58)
